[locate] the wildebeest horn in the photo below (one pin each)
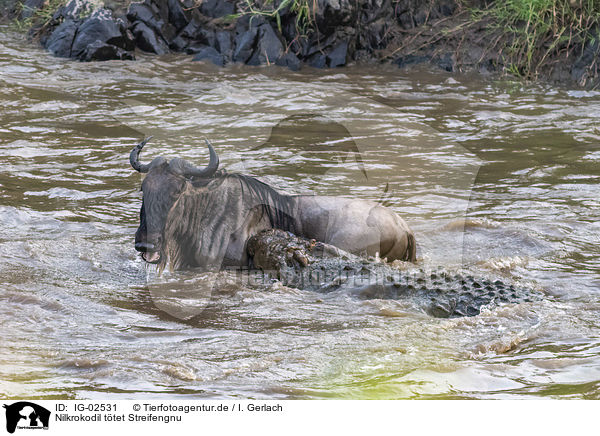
(188, 170)
(134, 157)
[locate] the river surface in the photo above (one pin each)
(496, 176)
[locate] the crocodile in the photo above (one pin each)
(311, 265)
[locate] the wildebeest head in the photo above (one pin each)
(164, 182)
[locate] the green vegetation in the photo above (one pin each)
(302, 9)
(40, 18)
(539, 30)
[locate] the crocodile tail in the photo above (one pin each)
(411, 248)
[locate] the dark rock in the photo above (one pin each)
(178, 16)
(289, 60)
(207, 37)
(118, 8)
(244, 45)
(376, 35)
(269, 47)
(411, 59)
(362, 55)
(372, 10)
(420, 17)
(9, 9)
(410, 13)
(560, 74)
(210, 54)
(179, 44)
(405, 20)
(447, 7)
(217, 8)
(254, 60)
(194, 34)
(223, 43)
(321, 45)
(147, 39)
(168, 32)
(246, 22)
(30, 7)
(487, 67)
(102, 27)
(288, 29)
(193, 49)
(337, 57)
(143, 12)
(100, 51)
(583, 65)
(331, 14)
(98, 36)
(311, 47)
(473, 55)
(318, 60)
(60, 41)
(162, 9)
(155, 15)
(74, 10)
(191, 30)
(445, 62)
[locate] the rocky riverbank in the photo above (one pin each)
(294, 33)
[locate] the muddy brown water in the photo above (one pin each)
(493, 175)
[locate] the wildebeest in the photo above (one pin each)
(203, 217)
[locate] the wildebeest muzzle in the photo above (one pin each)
(150, 250)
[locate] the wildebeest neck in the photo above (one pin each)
(277, 207)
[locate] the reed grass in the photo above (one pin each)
(302, 9)
(539, 30)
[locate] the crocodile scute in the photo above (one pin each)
(315, 266)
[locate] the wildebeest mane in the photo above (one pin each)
(274, 205)
(203, 181)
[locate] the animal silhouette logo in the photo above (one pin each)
(27, 415)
